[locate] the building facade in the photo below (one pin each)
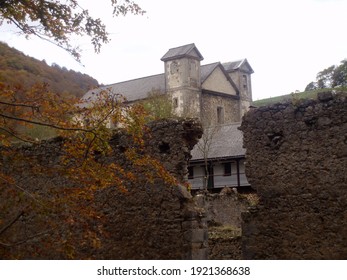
(217, 93)
(218, 160)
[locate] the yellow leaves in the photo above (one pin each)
(93, 238)
(87, 157)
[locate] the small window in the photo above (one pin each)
(220, 115)
(190, 172)
(227, 169)
(244, 81)
(174, 67)
(175, 102)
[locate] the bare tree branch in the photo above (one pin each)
(20, 105)
(25, 240)
(47, 124)
(23, 190)
(10, 223)
(16, 136)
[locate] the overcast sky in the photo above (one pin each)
(286, 42)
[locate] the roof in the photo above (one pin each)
(225, 141)
(242, 64)
(133, 89)
(139, 88)
(232, 65)
(206, 70)
(183, 51)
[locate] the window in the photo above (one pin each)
(190, 172)
(244, 81)
(227, 169)
(175, 102)
(174, 67)
(220, 115)
(192, 67)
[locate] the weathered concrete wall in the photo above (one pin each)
(296, 159)
(149, 221)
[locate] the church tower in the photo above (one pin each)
(240, 72)
(182, 79)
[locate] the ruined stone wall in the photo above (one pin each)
(149, 221)
(224, 208)
(296, 159)
(225, 248)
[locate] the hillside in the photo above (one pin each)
(312, 94)
(18, 69)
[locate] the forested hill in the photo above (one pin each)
(18, 69)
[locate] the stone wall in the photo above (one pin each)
(225, 248)
(296, 159)
(210, 103)
(148, 221)
(223, 208)
(223, 214)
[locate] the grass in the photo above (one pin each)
(224, 232)
(40, 132)
(34, 132)
(312, 94)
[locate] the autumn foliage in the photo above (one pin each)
(18, 69)
(65, 220)
(48, 200)
(57, 21)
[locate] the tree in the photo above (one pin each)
(84, 150)
(339, 77)
(158, 105)
(325, 77)
(204, 146)
(84, 153)
(210, 130)
(55, 21)
(333, 76)
(311, 86)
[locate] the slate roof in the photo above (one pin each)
(234, 65)
(138, 89)
(133, 89)
(206, 70)
(186, 50)
(227, 141)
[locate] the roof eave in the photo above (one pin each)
(222, 158)
(167, 57)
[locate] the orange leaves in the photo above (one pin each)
(21, 110)
(71, 173)
(150, 168)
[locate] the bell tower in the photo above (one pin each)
(240, 72)
(182, 79)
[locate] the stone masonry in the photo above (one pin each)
(149, 221)
(296, 159)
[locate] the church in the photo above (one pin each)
(218, 94)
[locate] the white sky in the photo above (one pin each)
(287, 42)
